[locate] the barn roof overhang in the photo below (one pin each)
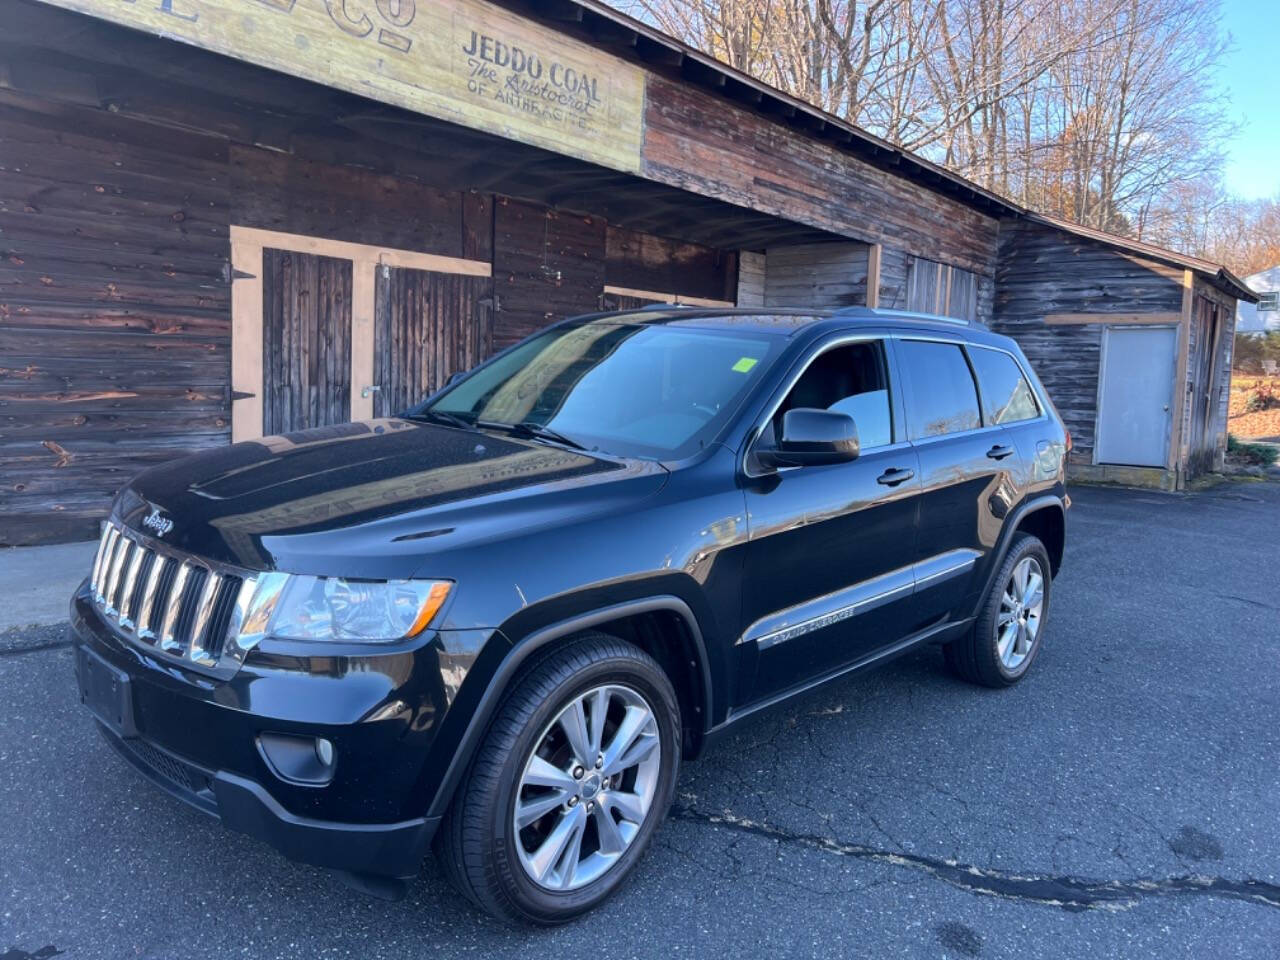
(595, 23)
(623, 34)
(661, 53)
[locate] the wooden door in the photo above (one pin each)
(427, 327)
(306, 340)
(1203, 397)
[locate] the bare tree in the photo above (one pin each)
(1100, 111)
(1202, 219)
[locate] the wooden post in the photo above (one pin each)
(363, 295)
(873, 276)
(246, 337)
(1180, 377)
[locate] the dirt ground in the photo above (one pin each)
(1265, 423)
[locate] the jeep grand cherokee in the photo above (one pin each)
(500, 620)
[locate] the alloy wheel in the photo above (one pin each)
(587, 787)
(1021, 608)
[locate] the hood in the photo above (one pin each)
(370, 498)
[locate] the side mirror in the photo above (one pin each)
(812, 437)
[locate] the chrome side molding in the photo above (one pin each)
(853, 601)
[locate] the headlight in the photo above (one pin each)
(295, 607)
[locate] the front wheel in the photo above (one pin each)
(1009, 630)
(573, 778)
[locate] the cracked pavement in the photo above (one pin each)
(1121, 802)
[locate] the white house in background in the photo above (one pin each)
(1265, 314)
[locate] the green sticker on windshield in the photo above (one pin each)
(744, 365)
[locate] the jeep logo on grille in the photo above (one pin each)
(153, 520)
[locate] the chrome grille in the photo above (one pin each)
(174, 604)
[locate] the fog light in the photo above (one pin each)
(324, 752)
(309, 761)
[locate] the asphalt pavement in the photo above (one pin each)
(1120, 802)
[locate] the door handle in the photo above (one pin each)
(1000, 451)
(891, 478)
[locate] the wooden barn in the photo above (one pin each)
(1133, 343)
(224, 219)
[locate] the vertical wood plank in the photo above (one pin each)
(429, 326)
(306, 340)
(873, 275)
(1180, 375)
(363, 302)
(246, 339)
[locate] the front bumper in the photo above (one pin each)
(383, 849)
(197, 739)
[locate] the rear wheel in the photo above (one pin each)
(1007, 634)
(562, 798)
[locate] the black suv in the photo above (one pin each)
(500, 620)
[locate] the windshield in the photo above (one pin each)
(643, 390)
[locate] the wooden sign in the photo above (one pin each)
(465, 61)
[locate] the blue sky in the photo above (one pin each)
(1251, 78)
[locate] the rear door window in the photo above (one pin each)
(939, 390)
(1006, 395)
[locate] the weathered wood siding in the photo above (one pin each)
(986, 298)
(115, 330)
(427, 326)
(751, 274)
(274, 191)
(114, 323)
(822, 275)
(1044, 271)
(1222, 387)
(306, 340)
(1207, 387)
(641, 261)
(547, 265)
(619, 301)
(895, 267)
(697, 141)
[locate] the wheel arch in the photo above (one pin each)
(1041, 514)
(696, 684)
(1048, 522)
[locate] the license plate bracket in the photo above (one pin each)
(106, 691)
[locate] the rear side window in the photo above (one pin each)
(940, 394)
(1006, 395)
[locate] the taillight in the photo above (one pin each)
(1068, 433)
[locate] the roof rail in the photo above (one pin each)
(873, 313)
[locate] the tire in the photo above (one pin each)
(494, 862)
(982, 656)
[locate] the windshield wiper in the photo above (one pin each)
(439, 416)
(538, 431)
(542, 431)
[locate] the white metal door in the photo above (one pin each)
(1135, 396)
